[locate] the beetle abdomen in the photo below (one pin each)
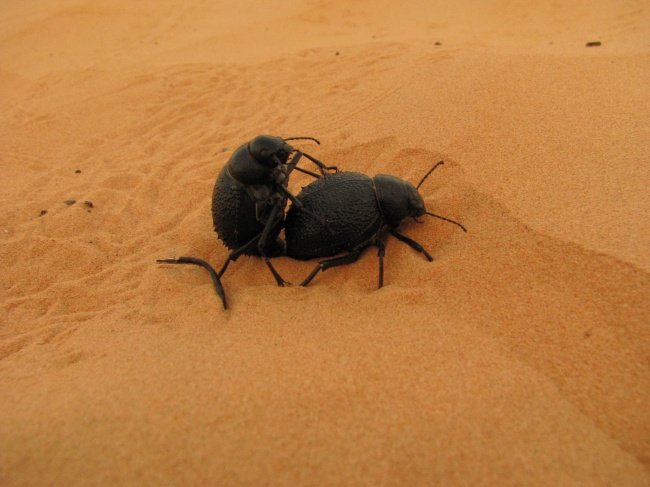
(347, 202)
(234, 216)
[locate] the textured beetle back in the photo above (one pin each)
(347, 202)
(233, 214)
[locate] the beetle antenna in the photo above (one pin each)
(446, 219)
(303, 138)
(427, 174)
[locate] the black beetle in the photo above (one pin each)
(358, 210)
(249, 199)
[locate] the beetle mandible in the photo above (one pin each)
(359, 210)
(249, 199)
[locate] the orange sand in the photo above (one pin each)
(520, 356)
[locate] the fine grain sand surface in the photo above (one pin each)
(519, 356)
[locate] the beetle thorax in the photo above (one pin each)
(397, 199)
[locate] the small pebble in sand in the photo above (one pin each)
(78, 171)
(43, 212)
(70, 202)
(593, 44)
(89, 204)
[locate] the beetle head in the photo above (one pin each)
(269, 150)
(397, 199)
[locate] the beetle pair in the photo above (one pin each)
(341, 213)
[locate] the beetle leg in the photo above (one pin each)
(261, 244)
(313, 174)
(237, 253)
(323, 265)
(193, 260)
(291, 165)
(411, 243)
(260, 241)
(380, 253)
(335, 262)
(323, 168)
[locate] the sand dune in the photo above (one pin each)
(520, 355)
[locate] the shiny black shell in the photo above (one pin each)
(234, 215)
(348, 202)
